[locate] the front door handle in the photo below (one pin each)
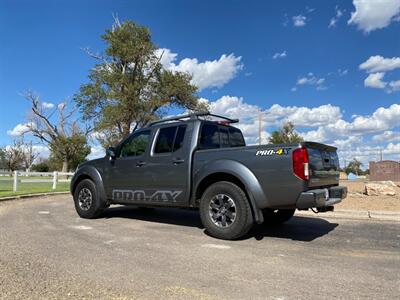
(177, 161)
(140, 163)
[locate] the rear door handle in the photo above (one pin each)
(177, 161)
(140, 163)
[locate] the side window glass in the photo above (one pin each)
(209, 136)
(236, 137)
(165, 140)
(136, 145)
(179, 137)
(223, 131)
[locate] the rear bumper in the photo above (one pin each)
(321, 197)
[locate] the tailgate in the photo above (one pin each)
(323, 164)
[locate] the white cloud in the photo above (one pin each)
(347, 143)
(215, 73)
(366, 153)
(311, 79)
(387, 136)
(235, 107)
(305, 116)
(47, 105)
(279, 55)
(43, 151)
(395, 85)
(375, 80)
(19, 129)
(309, 9)
(167, 57)
(326, 122)
(370, 15)
(335, 19)
(299, 21)
(379, 63)
(382, 119)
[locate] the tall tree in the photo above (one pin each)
(128, 87)
(354, 167)
(286, 134)
(14, 155)
(29, 156)
(3, 162)
(59, 130)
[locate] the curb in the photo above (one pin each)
(32, 196)
(356, 214)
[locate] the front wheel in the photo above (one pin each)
(277, 216)
(87, 202)
(225, 211)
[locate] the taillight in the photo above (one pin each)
(300, 163)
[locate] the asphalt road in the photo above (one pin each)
(46, 251)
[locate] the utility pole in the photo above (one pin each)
(259, 127)
(380, 151)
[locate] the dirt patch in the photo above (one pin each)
(356, 200)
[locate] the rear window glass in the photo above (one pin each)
(220, 136)
(224, 135)
(236, 137)
(170, 139)
(179, 137)
(165, 140)
(209, 136)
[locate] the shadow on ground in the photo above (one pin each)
(174, 216)
(303, 229)
(298, 228)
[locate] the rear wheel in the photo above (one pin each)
(225, 211)
(277, 216)
(87, 202)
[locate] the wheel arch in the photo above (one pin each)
(92, 174)
(237, 173)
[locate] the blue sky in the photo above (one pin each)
(304, 56)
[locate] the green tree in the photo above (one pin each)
(3, 162)
(40, 167)
(128, 87)
(60, 131)
(285, 135)
(354, 167)
(75, 150)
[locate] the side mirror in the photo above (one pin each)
(111, 153)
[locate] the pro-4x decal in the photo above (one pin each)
(269, 152)
(146, 196)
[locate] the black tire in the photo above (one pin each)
(277, 216)
(240, 222)
(86, 188)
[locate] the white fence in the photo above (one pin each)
(53, 177)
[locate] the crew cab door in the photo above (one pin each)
(168, 164)
(127, 171)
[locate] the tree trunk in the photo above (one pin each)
(65, 166)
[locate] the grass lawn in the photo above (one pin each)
(24, 188)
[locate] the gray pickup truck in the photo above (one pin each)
(201, 161)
